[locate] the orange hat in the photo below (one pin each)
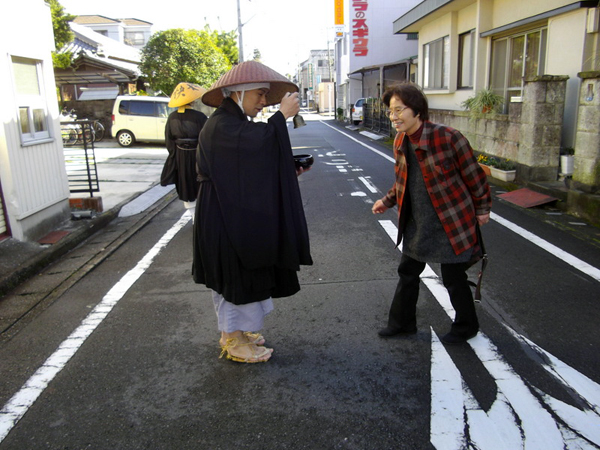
(185, 93)
(249, 72)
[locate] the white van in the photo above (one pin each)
(139, 118)
(357, 111)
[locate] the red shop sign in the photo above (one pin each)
(360, 29)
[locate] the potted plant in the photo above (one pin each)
(483, 102)
(502, 169)
(567, 161)
(483, 162)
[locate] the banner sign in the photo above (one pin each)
(339, 12)
(360, 29)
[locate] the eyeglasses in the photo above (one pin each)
(397, 111)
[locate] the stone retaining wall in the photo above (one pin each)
(586, 175)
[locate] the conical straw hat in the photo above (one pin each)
(250, 72)
(185, 93)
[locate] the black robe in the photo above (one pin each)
(250, 232)
(180, 166)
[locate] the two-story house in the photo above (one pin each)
(132, 32)
(541, 56)
(102, 68)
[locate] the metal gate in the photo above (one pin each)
(80, 158)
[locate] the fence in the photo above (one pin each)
(375, 118)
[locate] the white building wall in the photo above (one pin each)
(114, 31)
(510, 11)
(33, 177)
(383, 46)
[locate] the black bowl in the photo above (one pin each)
(304, 161)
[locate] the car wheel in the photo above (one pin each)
(356, 122)
(125, 138)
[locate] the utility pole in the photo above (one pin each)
(240, 38)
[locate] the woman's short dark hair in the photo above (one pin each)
(411, 95)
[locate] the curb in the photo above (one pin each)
(49, 255)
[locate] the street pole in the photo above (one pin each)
(240, 38)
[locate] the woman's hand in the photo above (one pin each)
(290, 105)
(483, 219)
(379, 207)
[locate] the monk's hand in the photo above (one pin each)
(290, 105)
(301, 170)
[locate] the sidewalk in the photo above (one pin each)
(129, 180)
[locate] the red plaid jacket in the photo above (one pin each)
(456, 184)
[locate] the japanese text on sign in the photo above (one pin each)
(339, 12)
(360, 29)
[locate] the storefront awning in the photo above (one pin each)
(365, 69)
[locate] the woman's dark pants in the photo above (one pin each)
(403, 312)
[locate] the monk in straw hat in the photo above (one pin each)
(250, 233)
(181, 138)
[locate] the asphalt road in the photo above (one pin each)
(134, 355)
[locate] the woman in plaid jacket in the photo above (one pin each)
(442, 195)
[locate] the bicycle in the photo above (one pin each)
(98, 131)
(69, 131)
(69, 135)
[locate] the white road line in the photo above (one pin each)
(518, 418)
(373, 149)
(552, 249)
(18, 405)
(451, 400)
(369, 184)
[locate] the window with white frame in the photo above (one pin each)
(134, 38)
(436, 64)
(31, 99)
(466, 59)
(516, 58)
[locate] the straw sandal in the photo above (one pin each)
(253, 338)
(258, 352)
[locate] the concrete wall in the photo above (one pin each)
(587, 143)
(93, 109)
(541, 125)
(530, 134)
(565, 58)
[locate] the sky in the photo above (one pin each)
(284, 31)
